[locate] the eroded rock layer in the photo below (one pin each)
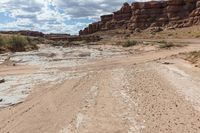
(168, 14)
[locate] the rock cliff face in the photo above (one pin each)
(167, 14)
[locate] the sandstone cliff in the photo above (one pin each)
(168, 14)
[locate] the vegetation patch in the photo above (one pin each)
(17, 43)
(167, 45)
(130, 43)
(193, 57)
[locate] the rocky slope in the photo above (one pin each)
(142, 15)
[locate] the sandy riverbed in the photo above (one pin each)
(99, 89)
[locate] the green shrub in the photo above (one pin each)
(17, 43)
(130, 43)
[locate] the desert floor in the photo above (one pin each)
(100, 89)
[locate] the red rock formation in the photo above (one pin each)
(172, 13)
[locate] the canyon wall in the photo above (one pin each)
(142, 15)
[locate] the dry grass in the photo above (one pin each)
(130, 43)
(167, 45)
(16, 43)
(193, 57)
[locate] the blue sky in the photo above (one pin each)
(57, 16)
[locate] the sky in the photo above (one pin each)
(54, 16)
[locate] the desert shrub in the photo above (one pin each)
(166, 45)
(130, 43)
(2, 41)
(193, 57)
(16, 43)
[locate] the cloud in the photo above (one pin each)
(67, 16)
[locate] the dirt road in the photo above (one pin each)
(108, 93)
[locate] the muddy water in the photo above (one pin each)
(48, 60)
